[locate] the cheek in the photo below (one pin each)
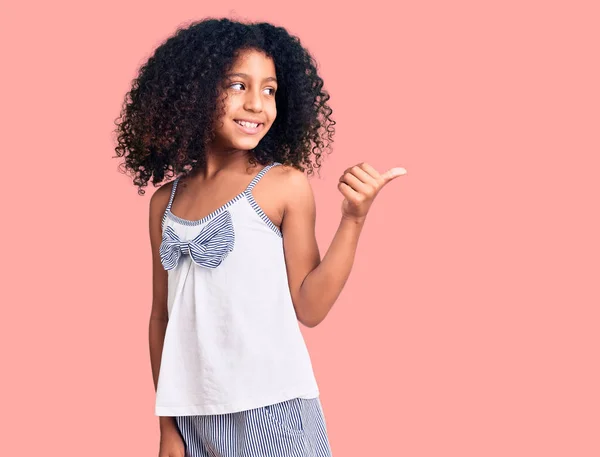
(229, 106)
(272, 112)
(226, 109)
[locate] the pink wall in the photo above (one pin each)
(469, 325)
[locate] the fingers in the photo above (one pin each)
(355, 183)
(364, 181)
(362, 174)
(370, 170)
(348, 192)
(360, 181)
(379, 178)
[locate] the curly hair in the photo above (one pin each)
(166, 122)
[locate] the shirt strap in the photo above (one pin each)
(168, 208)
(260, 175)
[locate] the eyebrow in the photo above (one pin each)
(244, 75)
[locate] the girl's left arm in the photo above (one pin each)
(315, 284)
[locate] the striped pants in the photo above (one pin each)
(293, 428)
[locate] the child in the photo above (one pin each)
(238, 113)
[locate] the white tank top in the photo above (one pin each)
(233, 341)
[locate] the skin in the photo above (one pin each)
(285, 196)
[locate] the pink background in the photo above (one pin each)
(469, 326)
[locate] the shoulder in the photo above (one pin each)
(292, 182)
(160, 198)
(293, 187)
(158, 205)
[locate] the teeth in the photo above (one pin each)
(247, 124)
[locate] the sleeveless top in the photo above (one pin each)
(232, 341)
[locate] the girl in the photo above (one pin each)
(238, 112)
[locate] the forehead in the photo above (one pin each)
(254, 64)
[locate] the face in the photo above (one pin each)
(249, 96)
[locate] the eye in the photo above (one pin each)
(272, 89)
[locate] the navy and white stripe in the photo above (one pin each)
(208, 249)
(260, 174)
(293, 428)
(168, 209)
(255, 207)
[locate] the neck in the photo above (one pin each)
(220, 160)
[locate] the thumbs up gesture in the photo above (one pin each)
(360, 185)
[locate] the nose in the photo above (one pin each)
(253, 101)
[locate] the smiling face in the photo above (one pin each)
(249, 96)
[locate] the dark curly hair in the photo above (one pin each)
(167, 117)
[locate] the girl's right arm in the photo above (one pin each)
(159, 315)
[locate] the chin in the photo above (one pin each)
(246, 144)
(245, 141)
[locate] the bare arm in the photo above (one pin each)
(159, 313)
(315, 284)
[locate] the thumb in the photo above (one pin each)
(393, 173)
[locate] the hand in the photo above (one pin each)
(171, 444)
(360, 184)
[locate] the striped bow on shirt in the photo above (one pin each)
(208, 249)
